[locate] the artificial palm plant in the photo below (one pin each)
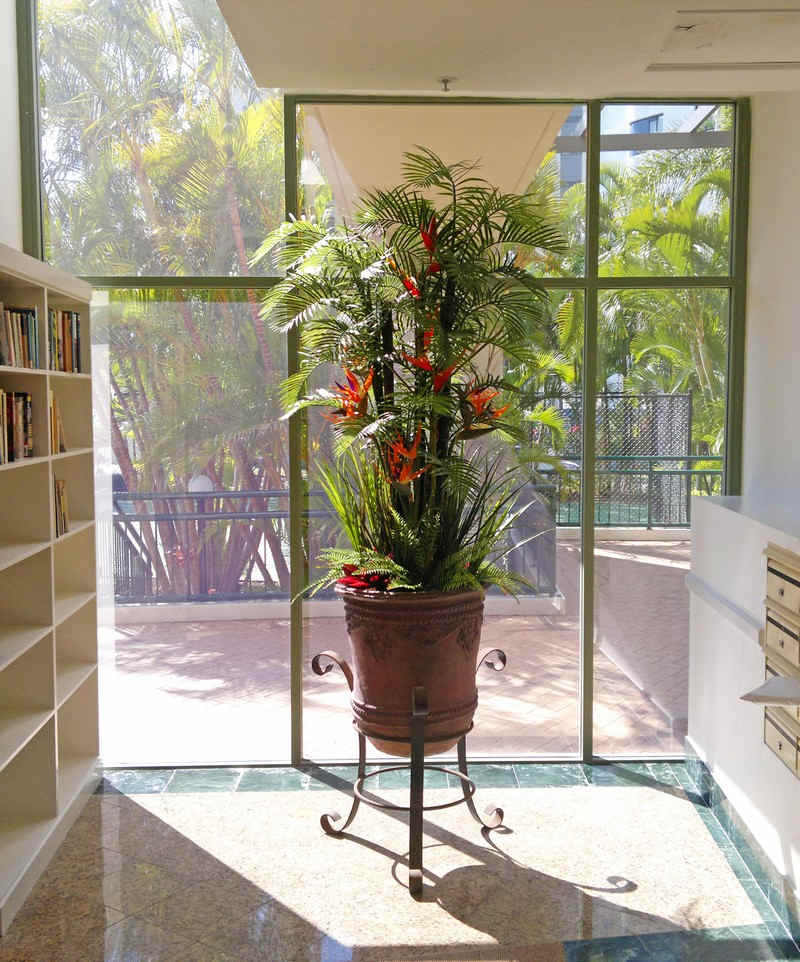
(412, 312)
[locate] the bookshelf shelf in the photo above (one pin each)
(48, 615)
(25, 463)
(11, 554)
(10, 369)
(73, 773)
(69, 677)
(17, 728)
(67, 604)
(15, 640)
(73, 453)
(75, 527)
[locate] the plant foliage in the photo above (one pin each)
(414, 312)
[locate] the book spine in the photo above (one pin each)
(10, 426)
(5, 357)
(19, 426)
(28, 426)
(78, 342)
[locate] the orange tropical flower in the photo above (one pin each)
(353, 397)
(401, 459)
(480, 398)
(440, 378)
(409, 282)
(499, 412)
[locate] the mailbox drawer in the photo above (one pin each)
(783, 586)
(793, 711)
(781, 742)
(782, 639)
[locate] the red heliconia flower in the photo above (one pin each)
(429, 235)
(408, 282)
(434, 267)
(442, 377)
(480, 398)
(353, 397)
(427, 338)
(422, 362)
(401, 459)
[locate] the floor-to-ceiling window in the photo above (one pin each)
(163, 169)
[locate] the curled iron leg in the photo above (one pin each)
(419, 712)
(322, 663)
(494, 658)
(329, 819)
(494, 815)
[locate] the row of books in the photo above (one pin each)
(58, 442)
(16, 426)
(64, 331)
(62, 511)
(19, 336)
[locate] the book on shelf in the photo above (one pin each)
(19, 336)
(62, 511)
(64, 340)
(58, 443)
(16, 426)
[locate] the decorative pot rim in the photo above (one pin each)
(372, 595)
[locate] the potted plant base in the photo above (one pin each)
(408, 640)
(420, 733)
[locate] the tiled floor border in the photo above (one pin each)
(779, 933)
(774, 887)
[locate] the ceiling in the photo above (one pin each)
(354, 163)
(573, 48)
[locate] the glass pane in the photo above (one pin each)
(160, 155)
(531, 708)
(665, 190)
(192, 469)
(547, 159)
(660, 422)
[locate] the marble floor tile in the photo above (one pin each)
(631, 870)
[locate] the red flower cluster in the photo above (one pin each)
(480, 401)
(401, 459)
(353, 398)
(353, 579)
(429, 238)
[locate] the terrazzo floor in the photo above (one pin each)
(616, 862)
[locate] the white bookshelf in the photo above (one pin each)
(48, 612)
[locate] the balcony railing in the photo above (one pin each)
(233, 545)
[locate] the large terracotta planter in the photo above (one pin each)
(400, 641)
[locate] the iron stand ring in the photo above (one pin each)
(467, 786)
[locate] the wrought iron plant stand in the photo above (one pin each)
(333, 823)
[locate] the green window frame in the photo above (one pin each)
(592, 284)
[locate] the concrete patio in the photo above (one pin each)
(205, 691)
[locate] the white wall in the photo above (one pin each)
(772, 398)
(10, 199)
(728, 585)
(728, 537)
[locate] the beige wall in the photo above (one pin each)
(10, 206)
